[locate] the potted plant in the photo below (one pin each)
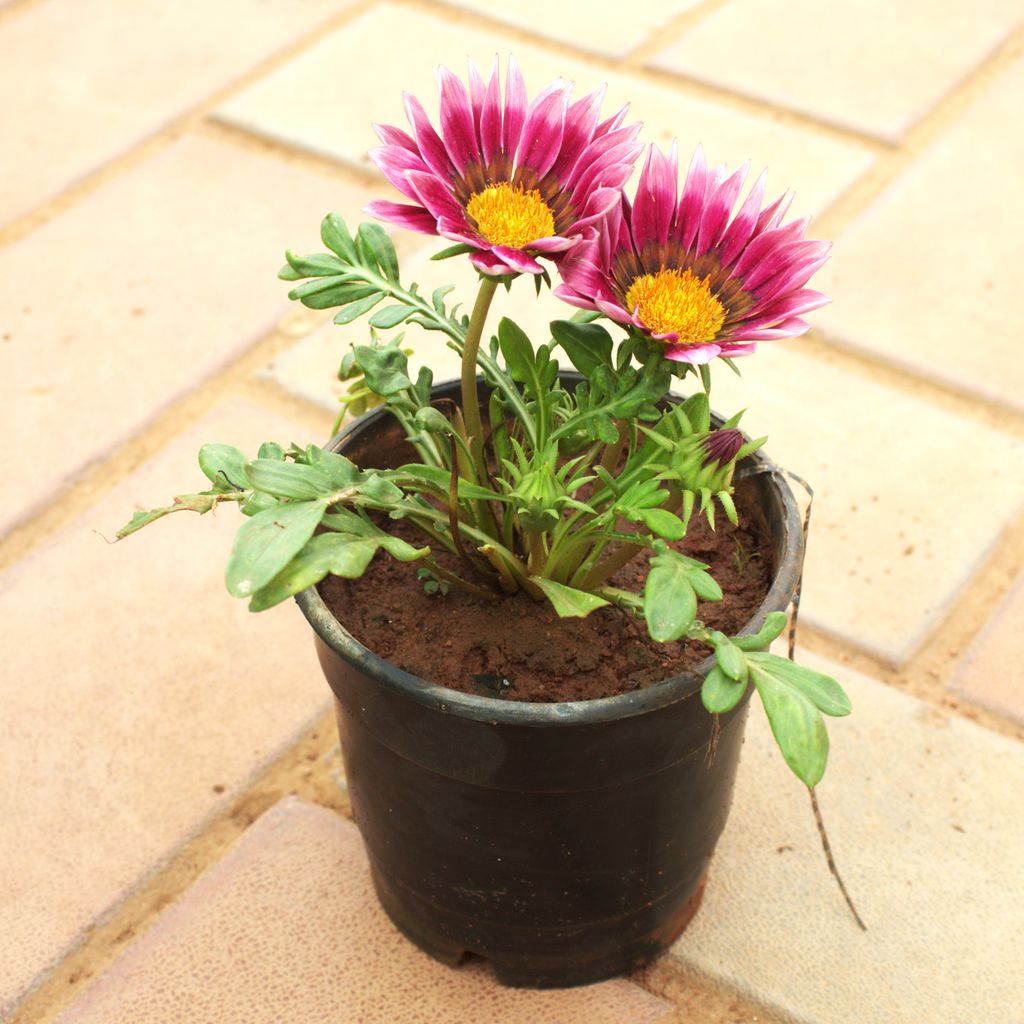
(543, 760)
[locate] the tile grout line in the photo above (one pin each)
(626, 66)
(893, 161)
(111, 468)
(674, 29)
(91, 181)
(304, 769)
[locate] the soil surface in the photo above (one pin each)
(516, 648)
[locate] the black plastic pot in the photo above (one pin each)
(565, 843)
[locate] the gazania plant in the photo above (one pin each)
(535, 482)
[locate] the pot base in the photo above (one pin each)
(517, 955)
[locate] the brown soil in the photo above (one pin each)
(516, 648)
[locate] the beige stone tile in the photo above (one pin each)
(92, 78)
(600, 28)
(992, 671)
(923, 812)
(929, 276)
(138, 293)
(138, 698)
(908, 498)
(338, 125)
(287, 927)
(871, 65)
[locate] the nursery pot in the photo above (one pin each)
(563, 842)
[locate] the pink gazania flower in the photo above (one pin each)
(512, 179)
(684, 270)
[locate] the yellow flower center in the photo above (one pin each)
(506, 214)
(674, 301)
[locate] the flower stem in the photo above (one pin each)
(470, 400)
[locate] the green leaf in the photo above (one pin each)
(391, 316)
(375, 248)
(287, 479)
(587, 345)
(224, 466)
(719, 693)
(705, 586)
(670, 603)
(821, 690)
(384, 369)
(774, 624)
(267, 542)
(183, 503)
(730, 659)
(400, 549)
(356, 309)
(796, 724)
(663, 523)
(334, 234)
(320, 264)
(271, 450)
(518, 351)
(377, 488)
(341, 472)
(569, 602)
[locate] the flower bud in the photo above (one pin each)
(538, 493)
(722, 446)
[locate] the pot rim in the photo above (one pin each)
(536, 713)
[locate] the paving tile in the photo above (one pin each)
(137, 294)
(992, 671)
(138, 697)
(869, 65)
(74, 111)
(287, 927)
(339, 124)
(936, 292)
(908, 498)
(923, 813)
(599, 28)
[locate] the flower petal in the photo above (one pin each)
(490, 118)
(718, 209)
(515, 107)
(696, 355)
(655, 198)
(429, 143)
(543, 129)
(457, 128)
(518, 260)
(431, 192)
(413, 218)
(691, 201)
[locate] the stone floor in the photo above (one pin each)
(176, 840)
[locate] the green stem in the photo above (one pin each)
(470, 399)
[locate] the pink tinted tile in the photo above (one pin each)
(992, 672)
(92, 78)
(138, 697)
(136, 295)
(287, 928)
